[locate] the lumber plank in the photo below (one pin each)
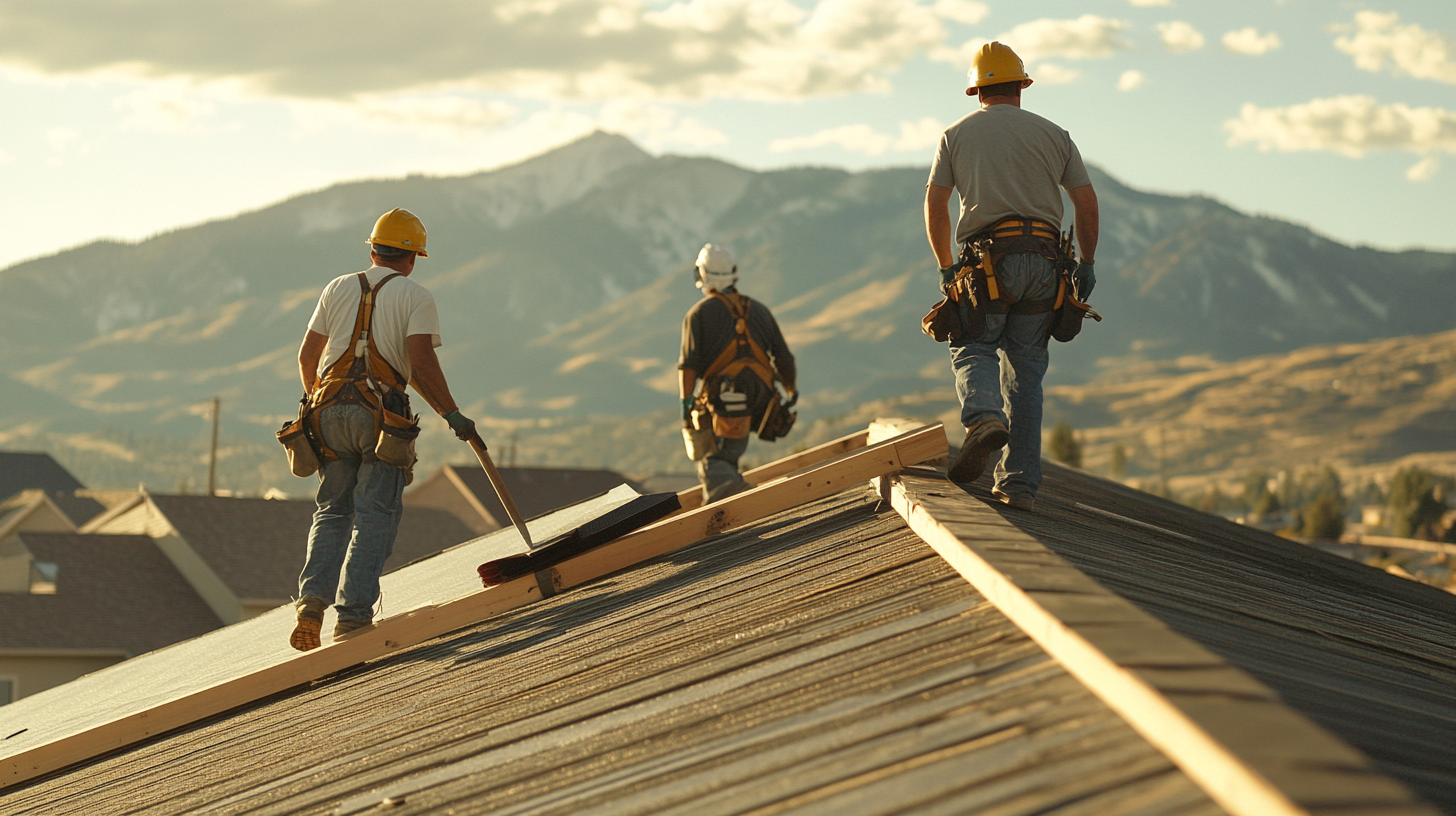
(1253, 755)
(816, 483)
(692, 498)
(426, 622)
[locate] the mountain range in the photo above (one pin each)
(562, 282)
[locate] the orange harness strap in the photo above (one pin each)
(744, 351)
(361, 373)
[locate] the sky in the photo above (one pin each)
(126, 119)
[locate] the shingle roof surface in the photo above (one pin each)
(26, 471)
(1369, 656)
(822, 661)
(112, 592)
(257, 546)
(539, 490)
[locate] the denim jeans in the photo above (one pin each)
(719, 472)
(982, 377)
(359, 507)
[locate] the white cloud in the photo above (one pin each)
(164, 108)
(565, 49)
(1130, 80)
(1348, 125)
(1087, 37)
(1180, 37)
(1050, 73)
(962, 11)
(1151, 2)
(1250, 41)
(1380, 42)
(920, 135)
(1424, 169)
(453, 114)
(657, 126)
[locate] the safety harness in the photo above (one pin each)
(361, 376)
(744, 351)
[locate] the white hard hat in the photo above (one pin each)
(716, 269)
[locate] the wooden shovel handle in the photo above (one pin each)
(478, 445)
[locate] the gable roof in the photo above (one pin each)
(257, 546)
(625, 693)
(27, 471)
(112, 593)
(825, 657)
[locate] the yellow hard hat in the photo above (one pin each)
(994, 64)
(400, 229)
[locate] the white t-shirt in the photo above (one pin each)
(403, 308)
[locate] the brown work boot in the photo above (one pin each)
(1026, 503)
(344, 628)
(982, 439)
(310, 617)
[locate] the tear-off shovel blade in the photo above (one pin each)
(478, 445)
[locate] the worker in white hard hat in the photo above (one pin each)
(733, 347)
(371, 334)
(1002, 266)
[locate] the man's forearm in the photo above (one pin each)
(308, 359)
(687, 380)
(427, 377)
(937, 224)
(1084, 200)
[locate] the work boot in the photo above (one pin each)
(343, 628)
(1026, 503)
(310, 621)
(982, 439)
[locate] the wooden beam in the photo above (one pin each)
(1229, 733)
(692, 498)
(418, 625)
(826, 479)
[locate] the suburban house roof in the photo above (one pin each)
(113, 593)
(536, 490)
(25, 471)
(257, 546)
(1111, 654)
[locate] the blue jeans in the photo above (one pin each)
(982, 377)
(359, 507)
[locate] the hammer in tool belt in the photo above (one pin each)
(478, 445)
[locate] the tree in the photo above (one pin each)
(1212, 501)
(1324, 517)
(1258, 499)
(1064, 446)
(1118, 466)
(1415, 508)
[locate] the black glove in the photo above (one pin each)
(464, 428)
(1084, 279)
(792, 400)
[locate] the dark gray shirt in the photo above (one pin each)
(709, 328)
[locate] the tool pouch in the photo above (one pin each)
(698, 437)
(777, 420)
(1067, 317)
(943, 322)
(303, 460)
(395, 445)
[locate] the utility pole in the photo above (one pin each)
(511, 459)
(212, 457)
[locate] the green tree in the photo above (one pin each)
(1260, 502)
(1415, 508)
(1212, 501)
(1323, 513)
(1063, 445)
(1118, 466)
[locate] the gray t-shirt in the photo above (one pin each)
(1004, 161)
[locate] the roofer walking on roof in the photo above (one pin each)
(1012, 286)
(371, 334)
(733, 346)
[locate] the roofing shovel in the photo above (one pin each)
(478, 445)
